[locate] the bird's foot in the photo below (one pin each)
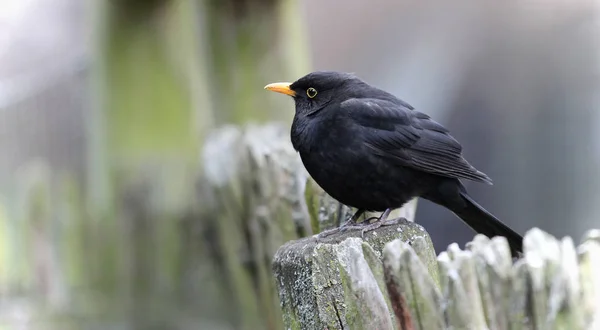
(352, 226)
(328, 232)
(366, 225)
(350, 223)
(347, 226)
(378, 224)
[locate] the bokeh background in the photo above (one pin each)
(118, 120)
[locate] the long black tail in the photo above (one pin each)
(485, 223)
(474, 215)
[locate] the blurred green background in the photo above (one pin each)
(146, 178)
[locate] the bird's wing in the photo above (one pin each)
(410, 138)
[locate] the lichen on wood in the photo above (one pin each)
(551, 287)
(340, 283)
(336, 282)
(415, 295)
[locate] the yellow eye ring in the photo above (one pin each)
(311, 92)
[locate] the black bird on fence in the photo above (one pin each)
(370, 150)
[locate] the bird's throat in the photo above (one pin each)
(301, 133)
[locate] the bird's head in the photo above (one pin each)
(316, 90)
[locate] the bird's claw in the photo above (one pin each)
(350, 225)
(328, 232)
(378, 224)
(364, 226)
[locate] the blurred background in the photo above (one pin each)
(146, 178)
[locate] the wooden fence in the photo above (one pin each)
(392, 280)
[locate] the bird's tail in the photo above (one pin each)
(453, 195)
(485, 223)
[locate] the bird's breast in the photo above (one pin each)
(329, 151)
(309, 134)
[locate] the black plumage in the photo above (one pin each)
(370, 150)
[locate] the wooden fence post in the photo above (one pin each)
(337, 282)
(391, 283)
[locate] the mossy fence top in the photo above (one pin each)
(392, 279)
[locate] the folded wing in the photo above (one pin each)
(409, 138)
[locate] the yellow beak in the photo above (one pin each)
(281, 87)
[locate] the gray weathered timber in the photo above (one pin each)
(589, 272)
(336, 282)
(252, 199)
(408, 285)
(554, 285)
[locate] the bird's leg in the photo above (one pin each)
(348, 224)
(354, 218)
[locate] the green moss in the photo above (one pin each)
(293, 322)
(72, 234)
(311, 197)
(376, 265)
(149, 111)
(6, 247)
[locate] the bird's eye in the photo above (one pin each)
(311, 92)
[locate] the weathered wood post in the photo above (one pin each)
(347, 283)
(554, 286)
(337, 282)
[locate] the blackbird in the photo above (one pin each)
(372, 151)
